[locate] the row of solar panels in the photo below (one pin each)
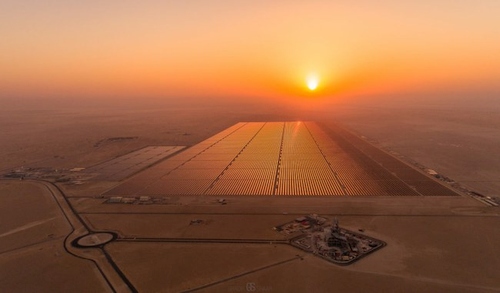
(309, 187)
(129, 164)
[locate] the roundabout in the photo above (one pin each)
(94, 239)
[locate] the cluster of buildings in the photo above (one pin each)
(327, 240)
(340, 245)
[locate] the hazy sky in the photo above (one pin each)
(247, 48)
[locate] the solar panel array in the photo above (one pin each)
(269, 158)
(129, 164)
(375, 159)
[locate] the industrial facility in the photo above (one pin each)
(325, 238)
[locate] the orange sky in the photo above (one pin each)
(246, 48)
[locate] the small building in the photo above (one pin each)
(115, 199)
(128, 200)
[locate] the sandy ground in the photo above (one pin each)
(441, 252)
(29, 216)
(311, 274)
(173, 270)
(32, 254)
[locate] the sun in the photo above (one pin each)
(312, 82)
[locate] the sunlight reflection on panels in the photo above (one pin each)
(258, 157)
(264, 150)
(242, 174)
(304, 164)
(281, 158)
(309, 187)
(242, 187)
(311, 174)
(176, 187)
(302, 156)
(239, 164)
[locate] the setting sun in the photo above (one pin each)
(299, 49)
(312, 82)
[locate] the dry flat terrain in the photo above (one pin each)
(33, 257)
(194, 243)
(460, 140)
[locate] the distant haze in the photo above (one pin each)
(253, 49)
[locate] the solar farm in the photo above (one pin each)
(280, 159)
